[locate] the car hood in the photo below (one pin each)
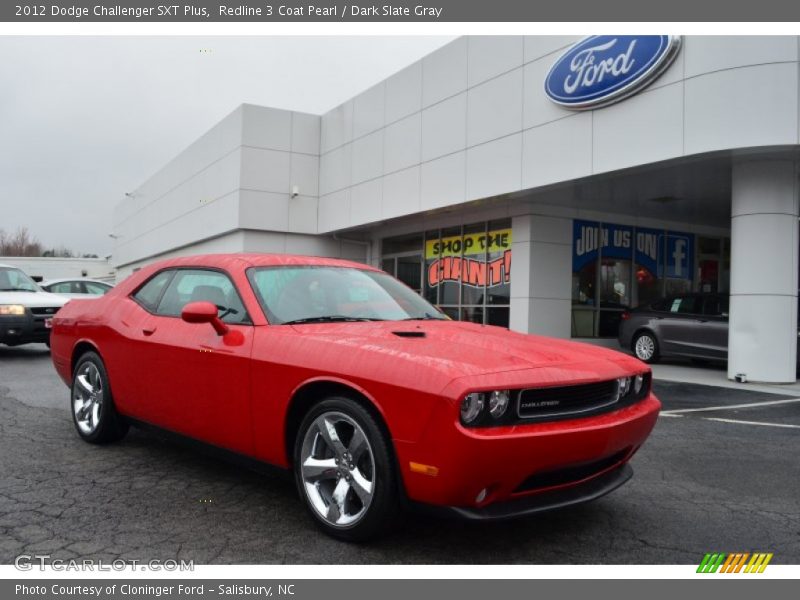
(457, 348)
(32, 299)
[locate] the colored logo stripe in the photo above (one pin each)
(758, 563)
(711, 563)
(735, 562)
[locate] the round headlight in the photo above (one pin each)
(471, 407)
(624, 386)
(498, 403)
(638, 382)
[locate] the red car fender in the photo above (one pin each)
(340, 381)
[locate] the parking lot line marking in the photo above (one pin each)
(668, 414)
(730, 407)
(738, 422)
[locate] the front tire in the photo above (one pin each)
(645, 347)
(93, 411)
(344, 470)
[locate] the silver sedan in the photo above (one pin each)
(693, 326)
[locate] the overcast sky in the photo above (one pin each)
(83, 120)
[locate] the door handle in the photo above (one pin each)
(148, 330)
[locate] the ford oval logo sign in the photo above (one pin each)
(603, 69)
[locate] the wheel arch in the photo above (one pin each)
(643, 329)
(81, 348)
(659, 351)
(311, 392)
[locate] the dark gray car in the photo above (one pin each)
(693, 326)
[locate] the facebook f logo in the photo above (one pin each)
(678, 257)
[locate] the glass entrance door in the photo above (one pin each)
(407, 267)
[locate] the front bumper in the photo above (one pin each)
(25, 329)
(495, 473)
(586, 491)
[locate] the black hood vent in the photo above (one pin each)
(409, 334)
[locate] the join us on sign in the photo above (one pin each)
(668, 253)
(591, 238)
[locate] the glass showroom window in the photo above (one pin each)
(465, 270)
(713, 264)
(615, 267)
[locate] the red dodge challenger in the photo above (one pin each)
(372, 396)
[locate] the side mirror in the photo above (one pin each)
(204, 312)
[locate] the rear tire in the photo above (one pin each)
(93, 412)
(645, 347)
(344, 470)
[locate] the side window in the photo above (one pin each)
(716, 306)
(150, 293)
(686, 305)
(65, 287)
(196, 285)
(661, 305)
(711, 307)
(95, 289)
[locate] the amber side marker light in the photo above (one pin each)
(424, 469)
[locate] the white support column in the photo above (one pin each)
(762, 339)
(541, 267)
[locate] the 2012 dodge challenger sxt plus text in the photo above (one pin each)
(341, 373)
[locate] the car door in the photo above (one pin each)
(712, 329)
(198, 381)
(127, 353)
(678, 327)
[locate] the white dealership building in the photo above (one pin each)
(648, 166)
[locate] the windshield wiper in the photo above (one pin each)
(427, 317)
(329, 319)
(15, 290)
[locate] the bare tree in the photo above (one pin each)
(19, 243)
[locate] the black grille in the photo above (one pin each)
(571, 473)
(44, 311)
(561, 401)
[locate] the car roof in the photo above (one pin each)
(64, 279)
(259, 260)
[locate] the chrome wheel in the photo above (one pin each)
(645, 347)
(337, 467)
(87, 398)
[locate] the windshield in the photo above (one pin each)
(326, 294)
(14, 280)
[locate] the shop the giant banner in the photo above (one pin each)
(476, 259)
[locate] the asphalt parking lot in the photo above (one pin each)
(726, 479)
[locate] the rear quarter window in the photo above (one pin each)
(95, 289)
(150, 293)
